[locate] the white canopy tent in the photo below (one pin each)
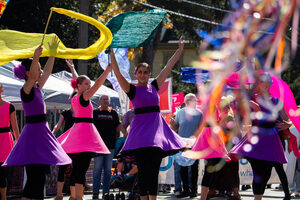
(56, 91)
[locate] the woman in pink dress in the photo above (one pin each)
(211, 147)
(8, 117)
(82, 141)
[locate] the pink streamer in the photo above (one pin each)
(282, 91)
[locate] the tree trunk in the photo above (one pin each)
(149, 51)
(83, 35)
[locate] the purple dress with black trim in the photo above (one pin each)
(37, 144)
(263, 142)
(148, 128)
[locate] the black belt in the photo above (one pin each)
(83, 119)
(264, 124)
(147, 109)
(36, 118)
(4, 129)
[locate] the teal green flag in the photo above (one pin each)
(135, 29)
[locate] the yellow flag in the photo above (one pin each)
(17, 45)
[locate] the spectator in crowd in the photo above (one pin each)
(178, 186)
(127, 119)
(108, 125)
(126, 168)
(296, 181)
(187, 121)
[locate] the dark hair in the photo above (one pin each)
(27, 63)
(81, 78)
(21, 69)
(143, 64)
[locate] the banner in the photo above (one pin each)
(177, 100)
(123, 62)
(194, 75)
(166, 174)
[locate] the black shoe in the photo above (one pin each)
(245, 187)
(194, 194)
(105, 196)
(111, 197)
(183, 194)
(122, 196)
(95, 196)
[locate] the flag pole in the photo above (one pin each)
(47, 25)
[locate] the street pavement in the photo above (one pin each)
(270, 194)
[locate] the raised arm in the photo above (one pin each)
(121, 79)
(34, 71)
(72, 67)
(14, 125)
(49, 65)
(172, 61)
(90, 92)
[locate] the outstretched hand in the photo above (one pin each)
(70, 63)
(53, 46)
(180, 43)
(38, 52)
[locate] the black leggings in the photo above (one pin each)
(185, 177)
(36, 177)
(261, 174)
(282, 177)
(211, 170)
(3, 182)
(61, 174)
(81, 163)
(148, 162)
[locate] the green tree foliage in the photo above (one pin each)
(291, 76)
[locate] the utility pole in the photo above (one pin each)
(83, 36)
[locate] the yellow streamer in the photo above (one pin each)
(17, 45)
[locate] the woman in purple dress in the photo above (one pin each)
(150, 138)
(262, 146)
(37, 147)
